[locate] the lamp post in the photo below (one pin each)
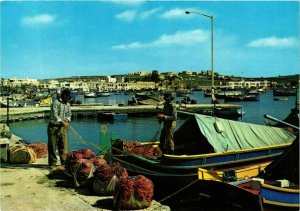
(212, 42)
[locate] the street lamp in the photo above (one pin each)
(212, 43)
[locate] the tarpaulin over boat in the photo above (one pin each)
(205, 134)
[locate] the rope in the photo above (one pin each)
(82, 140)
(178, 191)
(155, 137)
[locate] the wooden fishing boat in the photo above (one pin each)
(284, 92)
(272, 194)
(266, 191)
(203, 142)
(146, 98)
(111, 116)
(103, 94)
(90, 95)
(228, 113)
(278, 184)
(242, 97)
(232, 174)
(280, 99)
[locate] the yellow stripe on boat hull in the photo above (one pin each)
(240, 174)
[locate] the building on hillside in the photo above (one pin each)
(52, 84)
(18, 82)
(187, 73)
(111, 79)
(249, 84)
(75, 85)
(141, 73)
(141, 85)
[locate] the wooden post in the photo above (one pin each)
(7, 111)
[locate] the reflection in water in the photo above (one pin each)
(87, 130)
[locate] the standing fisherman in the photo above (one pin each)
(60, 117)
(168, 117)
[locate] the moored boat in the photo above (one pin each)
(111, 116)
(90, 95)
(284, 92)
(103, 94)
(278, 184)
(146, 99)
(204, 142)
(280, 99)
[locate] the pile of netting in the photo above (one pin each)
(133, 192)
(106, 178)
(81, 164)
(88, 170)
(22, 155)
(145, 150)
(41, 149)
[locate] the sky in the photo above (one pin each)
(53, 39)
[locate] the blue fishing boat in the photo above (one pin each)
(278, 184)
(111, 116)
(203, 142)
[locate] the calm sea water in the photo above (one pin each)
(87, 130)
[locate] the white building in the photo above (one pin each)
(14, 82)
(249, 84)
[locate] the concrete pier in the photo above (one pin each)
(27, 113)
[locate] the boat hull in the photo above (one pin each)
(278, 196)
(172, 172)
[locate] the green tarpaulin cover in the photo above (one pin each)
(224, 135)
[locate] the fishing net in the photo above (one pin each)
(83, 172)
(22, 155)
(97, 161)
(41, 149)
(145, 150)
(74, 156)
(106, 178)
(133, 193)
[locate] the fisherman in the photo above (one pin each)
(168, 116)
(60, 117)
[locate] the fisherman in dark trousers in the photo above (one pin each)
(168, 117)
(60, 117)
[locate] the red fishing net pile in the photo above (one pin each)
(106, 178)
(83, 170)
(81, 164)
(133, 193)
(41, 149)
(75, 155)
(145, 150)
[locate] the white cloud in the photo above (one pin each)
(128, 15)
(149, 13)
(128, 2)
(179, 38)
(184, 38)
(177, 13)
(41, 19)
(274, 42)
(174, 13)
(131, 45)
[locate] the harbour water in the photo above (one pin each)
(85, 132)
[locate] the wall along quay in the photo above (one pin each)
(27, 113)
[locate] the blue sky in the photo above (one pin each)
(60, 39)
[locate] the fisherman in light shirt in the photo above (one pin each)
(60, 117)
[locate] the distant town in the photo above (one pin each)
(137, 81)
